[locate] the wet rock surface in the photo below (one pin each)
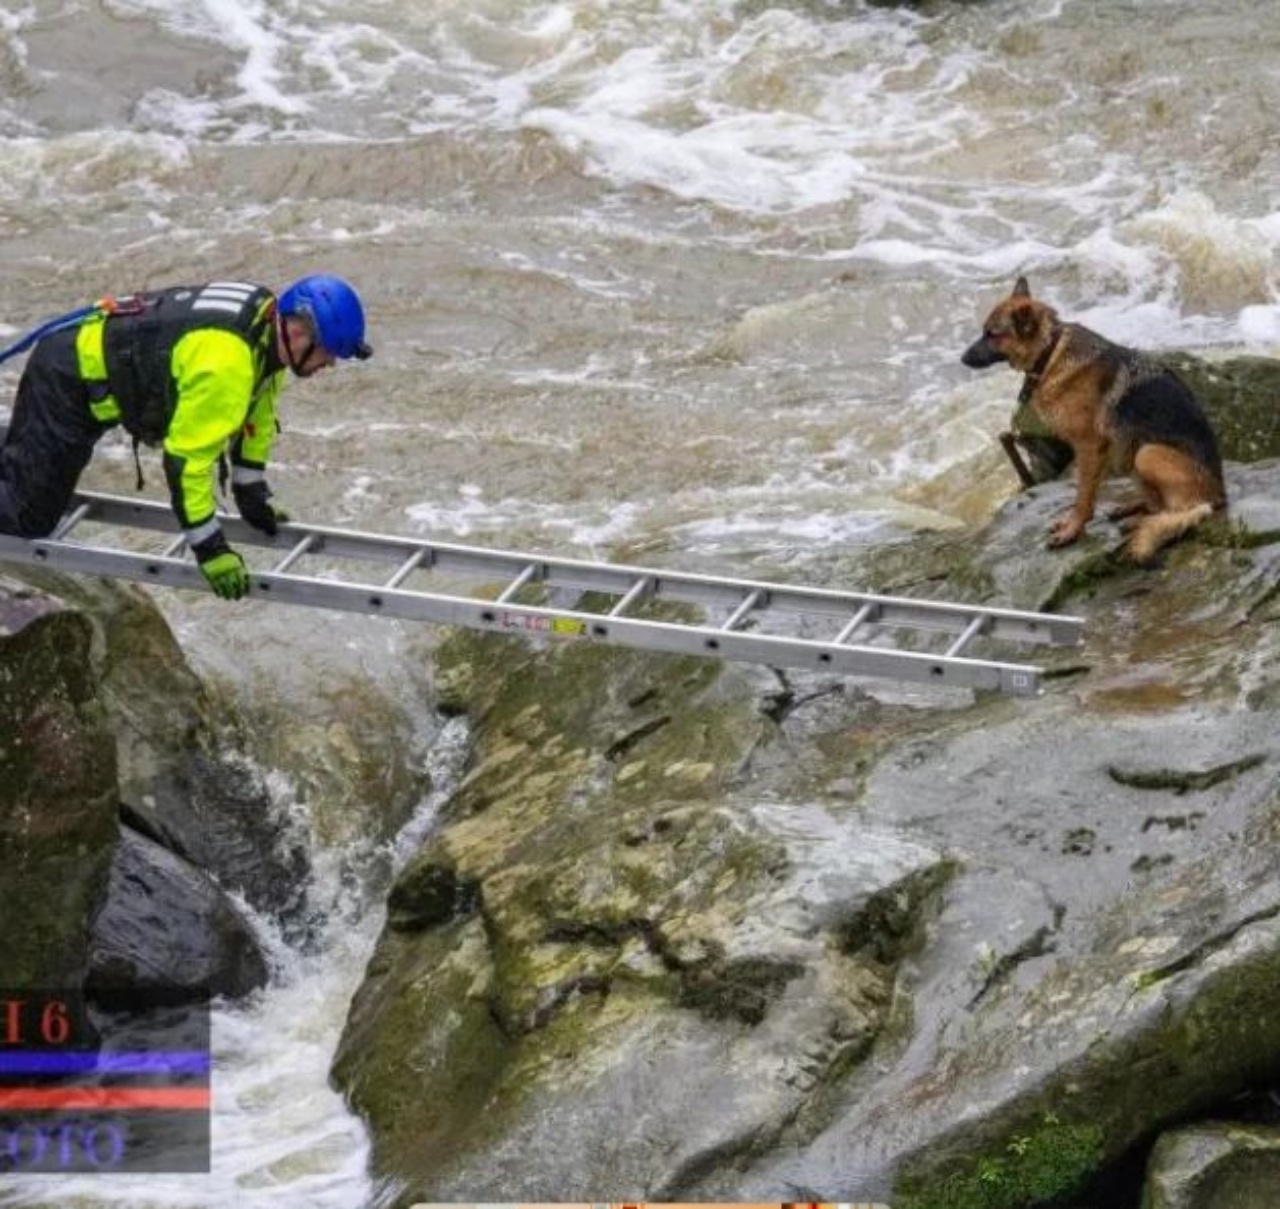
(1215, 1166)
(101, 720)
(57, 794)
(167, 929)
(183, 776)
(908, 943)
(698, 931)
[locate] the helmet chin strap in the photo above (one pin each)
(295, 362)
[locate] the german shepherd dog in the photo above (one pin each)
(1113, 406)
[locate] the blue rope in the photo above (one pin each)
(71, 319)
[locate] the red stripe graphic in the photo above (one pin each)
(34, 1099)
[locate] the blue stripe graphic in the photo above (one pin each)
(173, 1062)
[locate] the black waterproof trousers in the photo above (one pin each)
(51, 437)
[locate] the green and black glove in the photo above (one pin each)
(222, 567)
(254, 503)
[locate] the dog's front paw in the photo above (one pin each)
(1065, 531)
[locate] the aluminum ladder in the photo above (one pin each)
(740, 615)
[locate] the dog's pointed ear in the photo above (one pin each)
(1021, 289)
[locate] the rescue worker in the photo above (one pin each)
(194, 369)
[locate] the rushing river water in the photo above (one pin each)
(673, 281)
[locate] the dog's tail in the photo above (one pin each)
(1161, 528)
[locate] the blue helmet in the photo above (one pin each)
(334, 310)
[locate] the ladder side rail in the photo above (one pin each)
(122, 510)
(445, 557)
(370, 547)
(100, 560)
(456, 560)
(685, 586)
(531, 621)
(1011, 624)
(338, 543)
(534, 621)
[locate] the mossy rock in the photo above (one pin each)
(57, 799)
(1048, 1161)
(1242, 398)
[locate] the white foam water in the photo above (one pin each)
(280, 1134)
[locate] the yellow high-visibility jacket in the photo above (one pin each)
(196, 370)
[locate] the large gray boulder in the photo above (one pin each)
(167, 930)
(100, 717)
(1215, 1166)
(57, 794)
(183, 776)
(852, 939)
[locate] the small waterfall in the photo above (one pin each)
(281, 1136)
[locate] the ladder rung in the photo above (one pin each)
(855, 623)
(292, 557)
(739, 614)
(70, 521)
(971, 631)
(638, 590)
(408, 567)
(519, 582)
(172, 548)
